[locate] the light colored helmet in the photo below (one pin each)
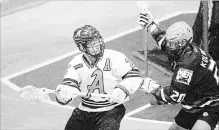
(178, 35)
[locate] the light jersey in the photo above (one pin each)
(101, 79)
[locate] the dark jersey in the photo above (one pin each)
(195, 80)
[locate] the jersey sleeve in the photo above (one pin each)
(178, 89)
(71, 77)
(159, 36)
(129, 74)
(124, 67)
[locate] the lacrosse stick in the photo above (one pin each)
(143, 5)
(37, 94)
(42, 94)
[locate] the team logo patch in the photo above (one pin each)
(184, 76)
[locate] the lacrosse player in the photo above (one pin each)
(101, 71)
(195, 81)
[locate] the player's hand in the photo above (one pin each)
(117, 96)
(145, 19)
(65, 94)
(149, 85)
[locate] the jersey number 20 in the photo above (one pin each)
(177, 97)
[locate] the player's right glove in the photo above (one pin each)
(65, 93)
(118, 96)
(148, 85)
(146, 20)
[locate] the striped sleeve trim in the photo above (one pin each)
(71, 82)
(163, 95)
(66, 80)
(132, 73)
(159, 43)
(123, 89)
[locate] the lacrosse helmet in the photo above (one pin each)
(89, 41)
(178, 37)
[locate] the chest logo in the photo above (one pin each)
(184, 76)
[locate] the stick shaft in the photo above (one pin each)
(143, 5)
(92, 94)
(83, 94)
(144, 42)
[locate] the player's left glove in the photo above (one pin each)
(118, 96)
(145, 18)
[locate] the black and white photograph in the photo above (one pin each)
(109, 65)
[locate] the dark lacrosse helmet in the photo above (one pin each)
(89, 41)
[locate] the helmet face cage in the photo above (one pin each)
(177, 37)
(89, 41)
(176, 47)
(94, 48)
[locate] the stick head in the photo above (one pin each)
(32, 93)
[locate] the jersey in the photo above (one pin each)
(112, 70)
(195, 80)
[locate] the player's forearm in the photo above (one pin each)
(168, 95)
(131, 84)
(71, 82)
(158, 34)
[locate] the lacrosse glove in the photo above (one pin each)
(148, 85)
(146, 20)
(65, 93)
(118, 95)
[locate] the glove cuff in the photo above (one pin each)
(123, 89)
(152, 26)
(62, 103)
(160, 101)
